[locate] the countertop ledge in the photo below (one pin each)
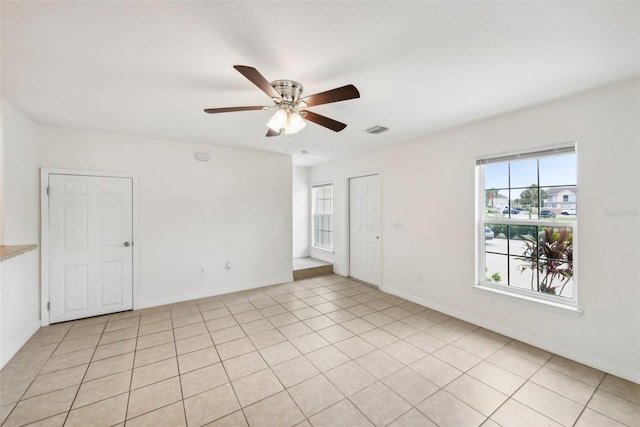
(8, 252)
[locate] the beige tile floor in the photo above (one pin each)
(322, 352)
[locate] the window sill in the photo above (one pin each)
(322, 249)
(565, 309)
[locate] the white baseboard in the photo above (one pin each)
(601, 365)
(211, 293)
(10, 350)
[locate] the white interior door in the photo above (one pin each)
(364, 229)
(90, 246)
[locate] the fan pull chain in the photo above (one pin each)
(286, 149)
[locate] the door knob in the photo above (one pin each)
(127, 244)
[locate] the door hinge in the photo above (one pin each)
(48, 188)
(48, 305)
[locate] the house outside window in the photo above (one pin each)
(561, 198)
(323, 216)
(527, 239)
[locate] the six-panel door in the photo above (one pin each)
(90, 246)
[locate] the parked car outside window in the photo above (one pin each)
(488, 233)
(513, 211)
(546, 213)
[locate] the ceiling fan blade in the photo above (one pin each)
(334, 95)
(257, 79)
(323, 121)
(232, 109)
(272, 132)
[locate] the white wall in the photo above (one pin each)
(429, 184)
(301, 212)
(235, 208)
(20, 276)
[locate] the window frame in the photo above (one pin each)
(564, 303)
(314, 217)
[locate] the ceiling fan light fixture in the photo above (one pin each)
(279, 120)
(286, 120)
(296, 123)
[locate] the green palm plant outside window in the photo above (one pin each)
(550, 254)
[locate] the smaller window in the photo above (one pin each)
(323, 216)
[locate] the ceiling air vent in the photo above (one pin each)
(376, 129)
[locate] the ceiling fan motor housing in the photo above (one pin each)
(289, 90)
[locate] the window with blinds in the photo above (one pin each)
(528, 222)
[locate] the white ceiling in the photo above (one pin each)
(150, 68)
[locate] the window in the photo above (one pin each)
(528, 220)
(323, 216)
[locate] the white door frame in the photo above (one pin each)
(44, 231)
(347, 243)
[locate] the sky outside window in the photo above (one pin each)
(554, 171)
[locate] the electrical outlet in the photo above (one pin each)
(202, 270)
(227, 266)
(419, 277)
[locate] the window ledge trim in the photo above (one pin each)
(533, 221)
(565, 309)
(322, 249)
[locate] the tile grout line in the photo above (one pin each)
(159, 381)
(126, 411)
(285, 389)
(225, 372)
(85, 372)
(584, 408)
(518, 389)
(229, 378)
(175, 345)
(34, 378)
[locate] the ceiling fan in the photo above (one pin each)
(286, 95)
